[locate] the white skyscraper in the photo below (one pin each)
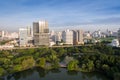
(52, 35)
(3, 34)
(29, 31)
(23, 37)
(67, 37)
(80, 37)
(58, 36)
(115, 43)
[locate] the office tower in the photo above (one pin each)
(41, 33)
(29, 31)
(23, 37)
(75, 37)
(119, 35)
(67, 37)
(3, 34)
(78, 37)
(30, 36)
(58, 37)
(52, 35)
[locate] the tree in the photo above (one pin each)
(41, 62)
(29, 62)
(60, 51)
(105, 67)
(103, 58)
(98, 64)
(72, 65)
(67, 59)
(117, 76)
(90, 65)
(53, 57)
(17, 68)
(6, 53)
(55, 64)
(2, 71)
(83, 67)
(111, 60)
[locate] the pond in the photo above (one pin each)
(61, 74)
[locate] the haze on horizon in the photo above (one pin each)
(60, 13)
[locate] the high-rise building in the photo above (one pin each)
(67, 37)
(41, 33)
(119, 35)
(3, 34)
(29, 31)
(58, 36)
(25, 37)
(78, 37)
(52, 35)
(75, 37)
(23, 41)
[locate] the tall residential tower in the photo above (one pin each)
(67, 37)
(41, 33)
(23, 37)
(78, 37)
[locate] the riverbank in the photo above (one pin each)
(80, 58)
(58, 74)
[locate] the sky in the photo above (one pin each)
(60, 14)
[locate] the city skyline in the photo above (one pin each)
(60, 13)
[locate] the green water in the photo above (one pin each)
(61, 74)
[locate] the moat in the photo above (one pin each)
(61, 74)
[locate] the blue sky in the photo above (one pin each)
(21, 13)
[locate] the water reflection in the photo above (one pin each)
(42, 72)
(22, 74)
(93, 76)
(55, 71)
(72, 73)
(58, 74)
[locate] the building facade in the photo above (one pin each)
(23, 41)
(78, 37)
(29, 31)
(3, 34)
(75, 37)
(115, 43)
(41, 33)
(58, 36)
(52, 35)
(67, 37)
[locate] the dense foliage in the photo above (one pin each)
(4, 42)
(98, 57)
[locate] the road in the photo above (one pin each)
(41, 47)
